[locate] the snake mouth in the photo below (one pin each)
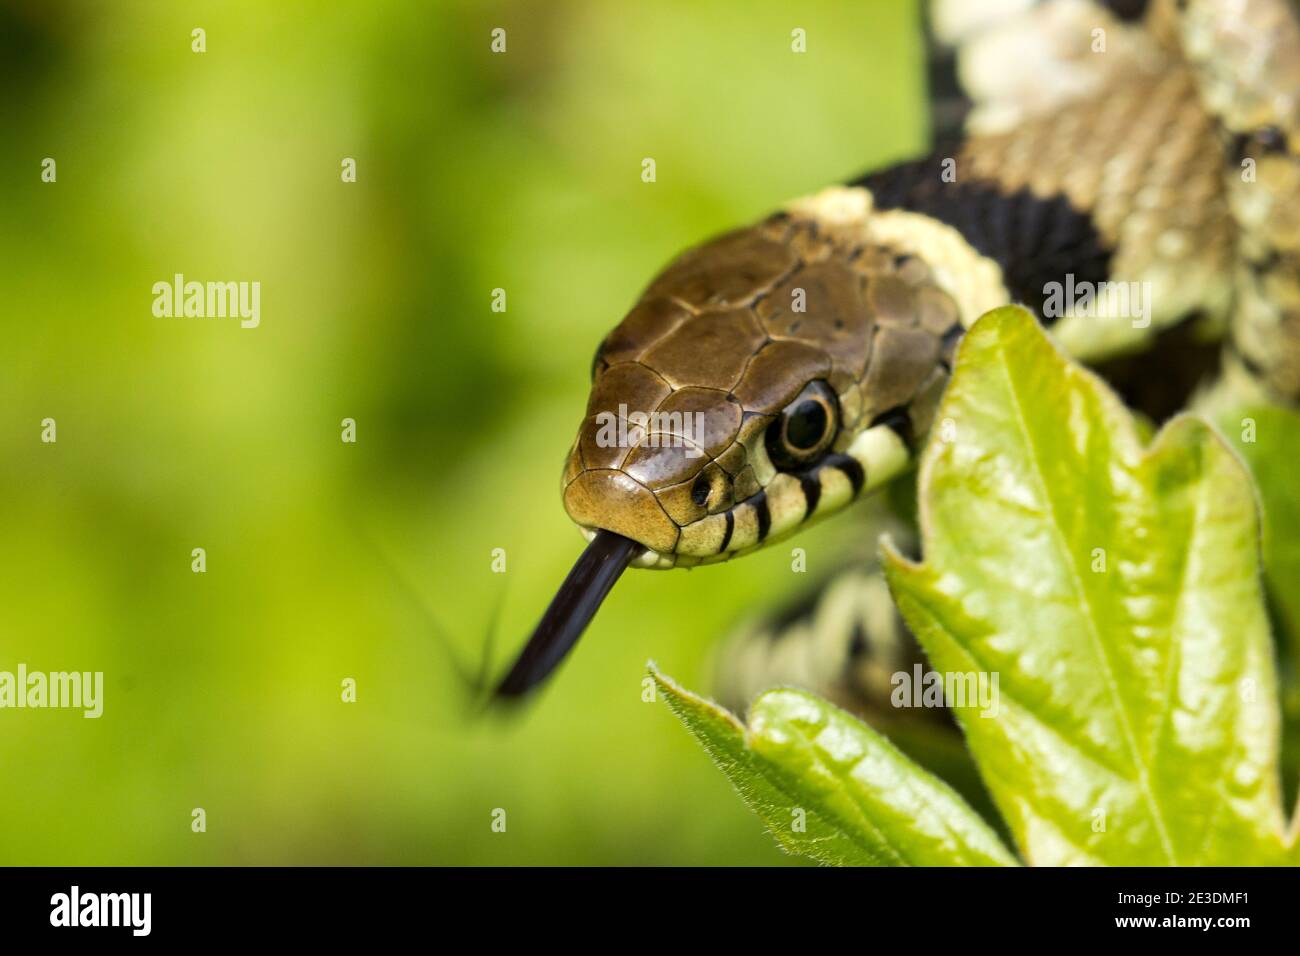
(576, 602)
(643, 556)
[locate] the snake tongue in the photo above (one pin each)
(570, 611)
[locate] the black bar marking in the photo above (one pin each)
(726, 535)
(812, 493)
(1036, 240)
(763, 513)
(896, 420)
(1129, 11)
(851, 468)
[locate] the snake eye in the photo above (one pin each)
(806, 424)
(804, 429)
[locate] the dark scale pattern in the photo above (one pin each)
(949, 103)
(1130, 11)
(846, 637)
(1035, 240)
(1186, 357)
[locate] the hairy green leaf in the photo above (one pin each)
(1114, 591)
(829, 787)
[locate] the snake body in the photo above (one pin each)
(768, 377)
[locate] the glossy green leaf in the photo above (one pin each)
(829, 787)
(1114, 591)
(1269, 439)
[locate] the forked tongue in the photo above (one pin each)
(570, 611)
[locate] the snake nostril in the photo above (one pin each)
(700, 490)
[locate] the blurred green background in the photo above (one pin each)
(329, 560)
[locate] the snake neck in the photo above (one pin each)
(1034, 240)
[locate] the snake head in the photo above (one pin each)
(763, 379)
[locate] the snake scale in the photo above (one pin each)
(772, 375)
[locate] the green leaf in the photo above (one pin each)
(803, 761)
(1114, 590)
(1268, 438)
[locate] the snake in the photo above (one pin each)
(770, 376)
